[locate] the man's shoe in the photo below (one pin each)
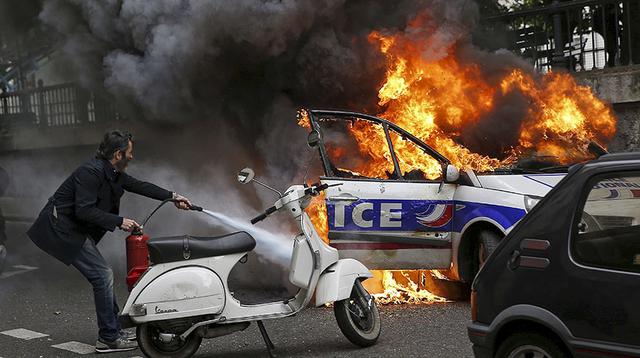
(119, 345)
(128, 335)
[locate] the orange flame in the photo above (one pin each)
(303, 119)
(435, 100)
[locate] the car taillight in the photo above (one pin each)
(474, 305)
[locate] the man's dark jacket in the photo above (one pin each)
(86, 205)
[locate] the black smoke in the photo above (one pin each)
(181, 60)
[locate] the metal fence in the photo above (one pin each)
(579, 35)
(54, 106)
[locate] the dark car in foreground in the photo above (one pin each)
(565, 282)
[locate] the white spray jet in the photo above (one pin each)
(183, 297)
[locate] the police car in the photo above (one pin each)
(399, 219)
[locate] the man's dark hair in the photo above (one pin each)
(112, 142)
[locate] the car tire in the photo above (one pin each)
(487, 243)
(530, 344)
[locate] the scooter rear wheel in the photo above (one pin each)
(358, 321)
(152, 346)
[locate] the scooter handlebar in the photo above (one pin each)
(264, 215)
(315, 189)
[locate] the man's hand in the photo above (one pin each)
(129, 224)
(181, 202)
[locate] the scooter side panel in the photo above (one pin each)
(336, 282)
(301, 263)
(184, 291)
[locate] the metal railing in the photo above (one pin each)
(579, 35)
(54, 106)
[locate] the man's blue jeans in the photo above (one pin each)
(96, 270)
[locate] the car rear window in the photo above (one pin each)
(608, 233)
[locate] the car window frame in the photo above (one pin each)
(577, 216)
(387, 126)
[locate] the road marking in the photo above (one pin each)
(76, 347)
(23, 334)
(21, 269)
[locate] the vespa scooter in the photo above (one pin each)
(184, 297)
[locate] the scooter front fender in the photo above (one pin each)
(180, 292)
(337, 280)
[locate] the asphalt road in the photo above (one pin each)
(40, 295)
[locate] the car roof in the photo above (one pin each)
(619, 157)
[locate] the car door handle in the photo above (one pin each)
(344, 198)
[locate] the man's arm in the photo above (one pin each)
(87, 184)
(143, 188)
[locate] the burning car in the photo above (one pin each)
(399, 215)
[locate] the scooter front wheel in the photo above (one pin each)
(155, 343)
(358, 317)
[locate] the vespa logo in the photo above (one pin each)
(169, 310)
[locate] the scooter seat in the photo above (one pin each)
(178, 248)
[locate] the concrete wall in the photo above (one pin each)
(619, 86)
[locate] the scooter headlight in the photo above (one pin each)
(530, 201)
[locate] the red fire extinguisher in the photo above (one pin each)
(137, 256)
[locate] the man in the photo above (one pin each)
(76, 217)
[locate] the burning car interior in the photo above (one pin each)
(349, 147)
(350, 142)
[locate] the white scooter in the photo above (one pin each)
(184, 297)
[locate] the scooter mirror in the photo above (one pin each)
(246, 175)
(313, 139)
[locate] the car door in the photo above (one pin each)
(605, 257)
(390, 209)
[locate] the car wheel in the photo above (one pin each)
(488, 240)
(530, 345)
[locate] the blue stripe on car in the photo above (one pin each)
(466, 211)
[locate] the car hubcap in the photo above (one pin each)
(529, 352)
